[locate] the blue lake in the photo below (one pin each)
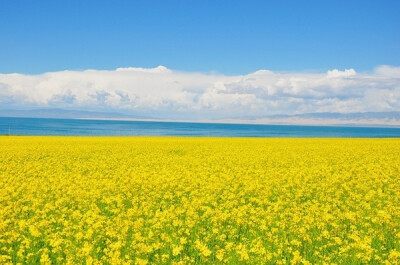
(39, 126)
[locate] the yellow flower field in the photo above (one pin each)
(170, 200)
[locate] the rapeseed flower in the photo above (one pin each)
(171, 200)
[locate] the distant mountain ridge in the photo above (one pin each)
(355, 115)
(66, 114)
(327, 118)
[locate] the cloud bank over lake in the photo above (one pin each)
(167, 93)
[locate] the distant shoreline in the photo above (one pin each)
(271, 122)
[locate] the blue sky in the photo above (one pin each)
(229, 37)
(197, 60)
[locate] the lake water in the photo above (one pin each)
(34, 126)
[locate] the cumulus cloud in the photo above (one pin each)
(168, 93)
(336, 73)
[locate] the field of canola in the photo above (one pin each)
(155, 200)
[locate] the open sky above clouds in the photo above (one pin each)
(162, 92)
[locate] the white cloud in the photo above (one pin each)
(337, 73)
(167, 93)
